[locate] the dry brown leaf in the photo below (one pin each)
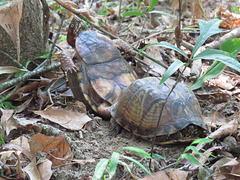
(57, 147)
(6, 115)
(66, 118)
(24, 105)
(19, 149)
(10, 15)
(223, 81)
(45, 169)
(167, 173)
(9, 69)
(32, 171)
(20, 123)
(77, 106)
(154, 68)
(175, 4)
(215, 119)
(21, 141)
(223, 168)
(196, 7)
(224, 130)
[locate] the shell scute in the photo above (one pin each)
(138, 109)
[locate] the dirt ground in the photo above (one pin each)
(100, 142)
(97, 141)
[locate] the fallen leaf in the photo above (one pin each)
(176, 174)
(21, 141)
(66, 118)
(224, 130)
(57, 147)
(9, 69)
(153, 67)
(196, 6)
(223, 168)
(19, 149)
(20, 124)
(6, 115)
(215, 119)
(77, 106)
(32, 171)
(45, 170)
(10, 15)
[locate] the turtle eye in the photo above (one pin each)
(72, 26)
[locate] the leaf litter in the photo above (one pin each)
(89, 139)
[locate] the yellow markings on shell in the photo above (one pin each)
(105, 87)
(90, 102)
(80, 75)
(102, 86)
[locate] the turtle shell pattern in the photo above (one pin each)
(103, 74)
(138, 110)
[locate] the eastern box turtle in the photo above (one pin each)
(99, 74)
(138, 111)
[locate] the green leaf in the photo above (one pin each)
(208, 153)
(2, 3)
(219, 55)
(232, 46)
(113, 164)
(164, 13)
(133, 13)
(236, 10)
(152, 4)
(4, 98)
(137, 151)
(202, 140)
(190, 158)
(213, 71)
(172, 69)
(157, 156)
(100, 169)
(137, 163)
(165, 45)
(2, 140)
(8, 104)
(207, 29)
(193, 148)
(62, 38)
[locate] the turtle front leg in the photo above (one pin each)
(65, 58)
(123, 46)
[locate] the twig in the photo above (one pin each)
(27, 75)
(13, 91)
(165, 100)
(81, 14)
(41, 68)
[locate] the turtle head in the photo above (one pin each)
(73, 31)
